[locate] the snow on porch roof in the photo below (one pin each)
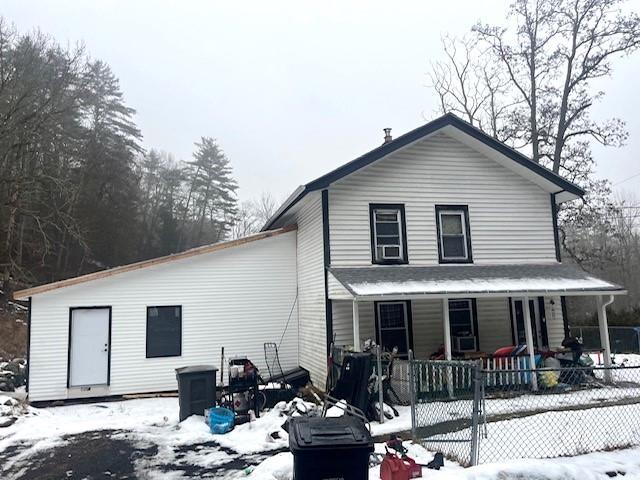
(476, 280)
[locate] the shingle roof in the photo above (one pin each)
(471, 279)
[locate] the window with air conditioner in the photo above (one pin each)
(463, 325)
(388, 233)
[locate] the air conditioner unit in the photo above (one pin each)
(464, 344)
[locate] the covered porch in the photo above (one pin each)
(462, 311)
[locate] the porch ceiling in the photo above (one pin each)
(470, 280)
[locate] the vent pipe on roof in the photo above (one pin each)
(387, 135)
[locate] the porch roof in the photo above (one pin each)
(467, 280)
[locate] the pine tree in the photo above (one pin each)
(107, 202)
(211, 205)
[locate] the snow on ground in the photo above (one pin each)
(627, 359)
(554, 434)
(154, 421)
(460, 409)
(593, 466)
(397, 424)
(151, 421)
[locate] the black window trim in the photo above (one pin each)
(403, 231)
(474, 318)
(147, 332)
(465, 209)
(409, 320)
(542, 313)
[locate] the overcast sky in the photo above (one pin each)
(293, 89)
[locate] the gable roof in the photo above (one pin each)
(29, 292)
(447, 120)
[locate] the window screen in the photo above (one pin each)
(461, 318)
(164, 331)
(453, 241)
(392, 327)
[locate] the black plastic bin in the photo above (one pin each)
(329, 448)
(196, 389)
(353, 383)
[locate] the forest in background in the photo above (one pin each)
(78, 192)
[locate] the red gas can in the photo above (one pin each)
(396, 468)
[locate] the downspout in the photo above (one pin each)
(604, 332)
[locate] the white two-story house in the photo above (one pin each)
(441, 238)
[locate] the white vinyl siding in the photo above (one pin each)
(343, 325)
(555, 323)
(510, 217)
(428, 333)
(311, 295)
(337, 291)
(494, 323)
(237, 298)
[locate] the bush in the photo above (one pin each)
(617, 318)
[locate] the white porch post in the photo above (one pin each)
(447, 329)
(529, 337)
(446, 325)
(356, 326)
(604, 333)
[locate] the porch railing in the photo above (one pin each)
(498, 372)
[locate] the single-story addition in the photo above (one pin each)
(441, 237)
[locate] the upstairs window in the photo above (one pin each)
(164, 331)
(454, 239)
(388, 233)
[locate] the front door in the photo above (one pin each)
(89, 346)
(537, 324)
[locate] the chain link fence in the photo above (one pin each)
(445, 410)
(476, 415)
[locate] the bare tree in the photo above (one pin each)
(593, 32)
(246, 222)
(264, 207)
(469, 83)
(551, 52)
(253, 215)
(528, 58)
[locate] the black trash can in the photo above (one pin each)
(196, 389)
(329, 448)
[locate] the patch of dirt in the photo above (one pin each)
(13, 325)
(91, 455)
(116, 454)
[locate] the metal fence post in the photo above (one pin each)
(412, 394)
(475, 437)
(380, 391)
